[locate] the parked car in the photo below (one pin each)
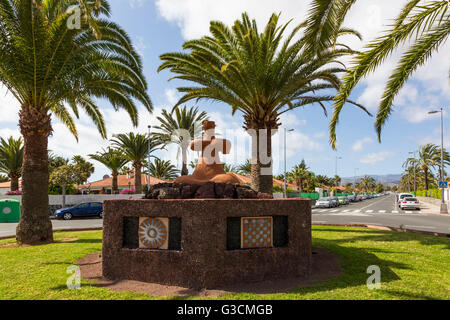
(402, 196)
(410, 203)
(343, 200)
(359, 197)
(324, 203)
(352, 198)
(364, 197)
(86, 209)
(335, 201)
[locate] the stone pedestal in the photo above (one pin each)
(207, 241)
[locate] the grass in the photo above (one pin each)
(413, 266)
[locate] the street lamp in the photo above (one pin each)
(415, 185)
(444, 209)
(285, 143)
(337, 158)
(148, 160)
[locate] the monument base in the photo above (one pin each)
(206, 243)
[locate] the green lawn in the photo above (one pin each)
(412, 266)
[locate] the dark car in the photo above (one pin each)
(82, 210)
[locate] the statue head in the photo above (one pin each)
(207, 125)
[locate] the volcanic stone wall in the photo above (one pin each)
(204, 239)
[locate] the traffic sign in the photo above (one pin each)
(443, 184)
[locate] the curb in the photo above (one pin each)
(437, 234)
(61, 230)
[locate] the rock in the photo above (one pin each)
(245, 192)
(206, 191)
(225, 190)
(169, 193)
(262, 195)
(188, 191)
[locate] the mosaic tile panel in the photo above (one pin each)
(153, 233)
(256, 232)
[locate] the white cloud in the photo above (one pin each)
(137, 3)
(359, 144)
(140, 45)
(376, 157)
(172, 96)
(9, 107)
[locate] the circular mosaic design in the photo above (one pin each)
(7, 210)
(152, 233)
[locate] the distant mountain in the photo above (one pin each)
(384, 179)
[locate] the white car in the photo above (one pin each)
(402, 196)
(410, 203)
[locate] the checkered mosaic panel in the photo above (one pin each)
(256, 232)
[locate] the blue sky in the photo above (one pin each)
(159, 26)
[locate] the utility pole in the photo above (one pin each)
(415, 184)
(444, 209)
(148, 160)
(285, 157)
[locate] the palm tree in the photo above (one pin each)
(426, 26)
(50, 64)
(114, 160)
(229, 168)
(299, 174)
(337, 181)
(84, 168)
(162, 169)
(179, 127)
(368, 183)
(262, 77)
(3, 178)
(245, 168)
(429, 158)
(11, 157)
(136, 149)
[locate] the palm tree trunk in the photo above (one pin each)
(184, 170)
(138, 178)
(115, 187)
(14, 182)
(262, 178)
(35, 226)
(425, 170)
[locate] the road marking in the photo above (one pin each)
(357, 211)
(372, 204)
(334, 210)
(382, 211)
(346, 211)
(394, 211)
(369, 211)
(409, 212)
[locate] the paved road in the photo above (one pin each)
(379, 211)
(9, 229)
(383, 211)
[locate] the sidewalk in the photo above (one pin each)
(430, 208)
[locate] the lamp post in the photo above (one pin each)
(337, 158)
(444, 209)
(285, 143)
(148, 160)
(415, 185)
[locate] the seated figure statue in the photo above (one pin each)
(209, 167)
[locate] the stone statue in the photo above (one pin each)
(209, 167)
